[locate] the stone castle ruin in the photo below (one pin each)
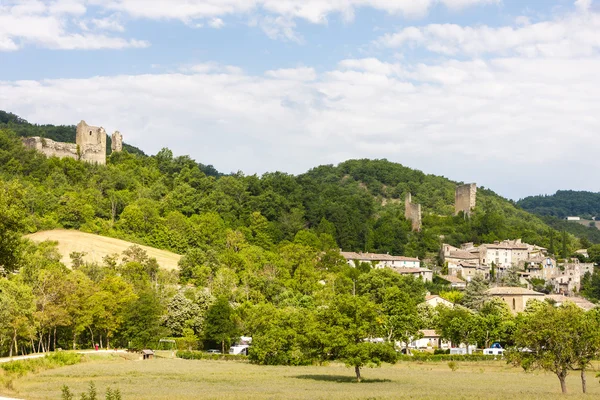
(465, 198)
(412, 212)
(117, 142)
(89, 146)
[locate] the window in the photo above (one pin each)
(514, 304)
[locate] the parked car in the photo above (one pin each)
(213, 351)
(494, 350)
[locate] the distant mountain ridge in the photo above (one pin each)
(564, 203)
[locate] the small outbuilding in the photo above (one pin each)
(147, 354)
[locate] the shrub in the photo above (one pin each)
(199, 355)
(50, 361)
(428, 357)
(453, 365)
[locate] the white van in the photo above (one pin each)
(242, 346)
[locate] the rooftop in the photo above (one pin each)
(452, 279)
(411, 270)
(463, 255)
(505, 290)
(350, 255)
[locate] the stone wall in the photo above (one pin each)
(92, 143)
(51, 148)
(117, 142)
(465, 198)
(412, 212)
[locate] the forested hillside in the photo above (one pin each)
(260, 254)
(564, 203)
(161, 200)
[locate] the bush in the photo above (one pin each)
(199, 355)
(428, 357)
(453, 365)
(441, 351)
(50, 361)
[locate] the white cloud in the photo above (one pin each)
(277, 18)
(315, 11)
(583, 5)
(569, 35)
(216, 23)
(47, 24)
(501, 120)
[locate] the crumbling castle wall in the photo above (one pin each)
(116, 142)
(51, 148)
(465, 198)
(412, 212)
(92, 143)
(89, 146)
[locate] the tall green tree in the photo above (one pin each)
(346, 325)
(219, 324)
(546, 338)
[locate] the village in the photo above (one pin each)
(534, 273)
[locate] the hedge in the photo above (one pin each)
(200, 355)
(426, 357)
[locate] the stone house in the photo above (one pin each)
(434, 300)
(381, 260)
(515, 297)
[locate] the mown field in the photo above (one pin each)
(96, 247)
(180, 379)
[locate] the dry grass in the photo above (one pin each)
(97, 247)
(180, 379)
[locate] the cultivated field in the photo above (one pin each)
(181, 379)
(97, 247)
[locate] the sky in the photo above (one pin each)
(504, 93)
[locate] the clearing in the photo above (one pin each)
(96, 247)
(163, 378)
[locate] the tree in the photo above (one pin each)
(457, 324)
(476, 293)
(12, 222)
(110, 303)
(402, 322)
(219, 324)
(546, 338)
(587, 342)
(346, 325)
(511, 277)
(16, 311)
(142, 321)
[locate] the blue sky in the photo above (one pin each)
(501, 92)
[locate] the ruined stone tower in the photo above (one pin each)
(116, 142)
(465, 198)
(91, 143)
(412, 212)
(89, 146)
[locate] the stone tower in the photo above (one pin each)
(465, 198)
(412, 212)
(91, 142)
(117, 142)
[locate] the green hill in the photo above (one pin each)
(176, 204)
(564, 203)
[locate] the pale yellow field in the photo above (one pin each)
(97, 247)
(182, 379)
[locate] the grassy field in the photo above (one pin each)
(181, 379)
(97, 247)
